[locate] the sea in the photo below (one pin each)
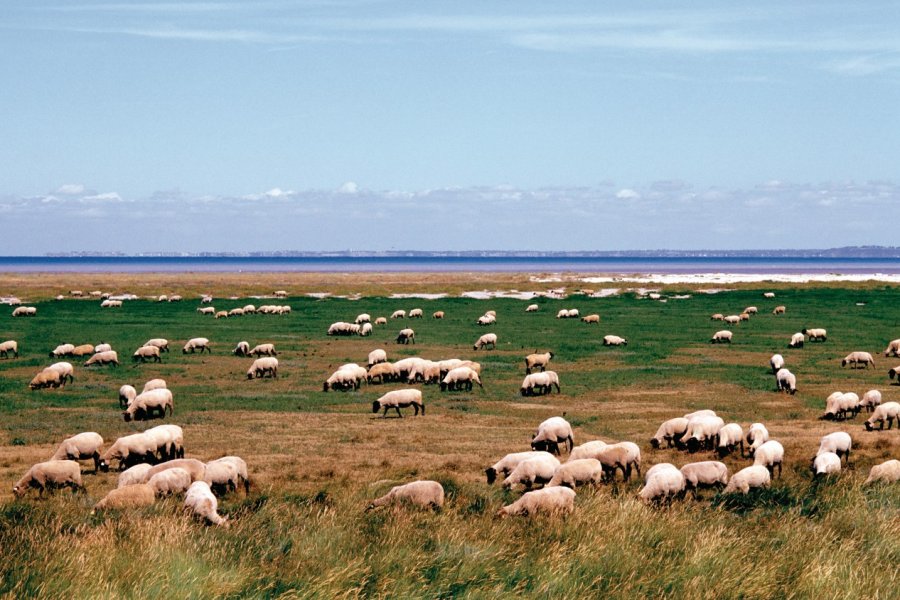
(510, 264)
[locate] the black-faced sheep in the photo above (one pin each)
(537, 384)
(578, 472)
(870, 400)
(398, 399)
(749, 478)
(135, 495)
(893, 348)
(508, 463)
(130, 450)
(48, 475)
(721, 337)
(9, 347)
(797, 340)
(769, 455)
(815, 335)
(537, 361)
(242, 349)
(488, 339)
(704, 474)
(670, 432)
(730, 437)
(406, 336)
(145, 353)
(438, 314)
(226, 474)
(757, 435)
(459, 378)
(377, 356)
(624, 456)
(263, 350)
(150, 405)
(83, 446)
(266, 366)
(888, 472)
(663, 483)
(786, 381)
(776, 362)
(197, 345)
(103, 358)
(855, 359)
(535, 470)
(161, 343)
(548, 501)
(551, 433)
(614, 340)
(170, 481)
(826, 463)
(889, 412)
(421, 494)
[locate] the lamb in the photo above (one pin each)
(460, 377)
(363, 318)
(130, 450)
(721, 337)
(406, 335)
(749, 478)
(614, 340)
(623, 455)
(196, 344)
(838, 442)
(103, 358)
(49, 475)
(398, 314)
(485, 340)
(769, 455)
(227, 473)
(133, 475)
(730, 437)
(550, 433)
(815, 335)
(550, 501)
(46, 378)
(136, 495)
(267, 366)
(170, 481)
(826, 463)
(82, 446)
(587, 450)
(797, 340)
(147, 404)
(127, 395)
(398, 399)
(145, 353)
(663, 482)
(779, 310)
(854, 359)
(415, 313)
(382, 372)
(708, 473)
(757, 435)
(532, 308)
(670, 432)
(539, 383)
(421, 494)
(893, 348)
(577, 472)
(534, 361)
(62, 350)
(786, 381)
(169, 440)
(438, 314)
(508, 463)
(102, 347)
(83, 350)
(595, 318)
(242, 349)
(537, 469)
(888, 471)
(9, 346)
(870, 400)
(200, 500)
(702, 431)
(154, 384)
(776, 362)
(889, 411)
(377, 356)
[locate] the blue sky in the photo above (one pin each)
(447, 125)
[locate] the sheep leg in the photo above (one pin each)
(397, 408)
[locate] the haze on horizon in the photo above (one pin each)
(376, 124)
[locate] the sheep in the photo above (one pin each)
(889, 411)
(757, 435)
(702, 431)
(197, 344)
(46, 378)
(145, 353)
(357, 373)
(623, 455)
(102, 347)
(376, 356)
(236, 312)
(154, 384)
(826, 463)
(562, 314)
(539, 383)
(786, 381)
(485, 340)
(280, 294)
(9, 346)
(768, 294)
(839, 405)
(595, 318)
(221, 314)
(65, 369)
(587, 450)
(381, 321)
(614, 340)
(127, 395)
(797, 340)
(721, 337)
(894, 372)
(383, 372)
(111, 303)
(82, 446)
(670, 432)
(779, 310)
(130, 450)
(195, 468)
(133, 475)
(406, 335)
(249, 309)
(769, 455)
(438, 314)
(888, 471)
(715, 317)
(343, 328)
(577, 472)
(48, 475)
(342, 380)
(748, 478)
(362, 318)
(227, 473)
(730, 437)
(532, 308)
(705, 412)
(200, 500)
(486, 320)
(421, 494)
(83, 350)
(267, 366)
(549, 501)
(415, 313)
(751, 310)
(854, 359)
(535, 470)
(206, 310)
(550, 433)
(534, 361)
(508, 463)
(135, 495)
(365, 329)
(708, 473)
(815, 335)
(663, 482)
(398, 399)
(147, 404)
(732, 319)
(459, 377)
(893, 348)
(242, 349)
(398, 314)
(870, 400)
(103, 358)
(776, 362)
(62, 350)
(24, 311)
(838, 442)
(170, 481)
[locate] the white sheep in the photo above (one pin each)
(614, 340)
(855, 359)
(663, 482)
(532, 308)
(135, 495)
(102, 347)
(154, 384)
(343, 328)
(398, 314)
(200, 500)
(702, 431)
(577, 472)
(82, 446)
(381, 321)
(377, 356)
(889, 411)
(757, 435)
(815, 335)
(406, 335)
(130, 450)
(438, 314)
(549, 501)
(9, 347)
(779, 310)
(776, 362)
(249, 309)
(194, 467)
(787, 381)
(133, 475)
(83, 350)
(894, 372)
(170, 481)
(839, 442)
(150, 405)
(207, 310)
(460, 377)
(103, 358)
(707, 473)
(534, 361)
(161, 343)
(797, 340)
(508, 463)
(145, 353)
(587, 450)
(870, 400)
(769, 455)
(751, 310)
(539, 383)
(46, 378)
(893, 348)
(888, 471)
(730, 437)
(415, 313)
(398, 399)
(236, 312)
(197, 344)
(623, 455)
(65, 369)
(826, 463)
(363, 318)
(341, 379)
(227, 473)
(242, 349)
(365, 329)
(749, 478)
(550, 433)
(421, 494)
(382, 373)
(169, 440)
(670, 432)
(704, 412)
(486, 319)
(48, 475)
(266, 366)
(721, 337)
(62, 350)
(715, 317)
(488, 339)
(24, 311)
(127, 394)
(732, 319)
(594, 318)
(535, 470)
(768, 294)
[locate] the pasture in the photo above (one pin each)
(317, 458)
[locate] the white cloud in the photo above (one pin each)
(627, 194)
(70, 189)
(348, 188)
(279, 193)
(105, 197)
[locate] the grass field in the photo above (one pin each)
(317, 458)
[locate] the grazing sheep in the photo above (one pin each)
(83, 350)
(236, 312)
(888, 472)
(663, 483)
(486, 319)
(49, 475)
(377, 356)
(670, 432)
(103, 358)
(24, 311)
(421, 494)
(587, 450)
(841, 405)
(733, 319)
(768, 294)
(595, 318)
(447, 365)
(751, 310)
(365, 329)
(894, 372)
(381, 321)
(130, 450)
(161, 343)
(532, 308)
(170, 481)
(267, 366)
(363, 318)
(438, 314)
(548, 501)
(744, 316)
(702, 431)
(416, 313)
(154, 384)
(46, 378)
(341, 379)
(127, 395)
(776, 362)
(769, 455)
(150, 405)
(538, 384)
(551, 433)
(707, 473)
(700, 413)
(838, 442)
(145, 353)
(102, 347)
(893, 348)
(406, 335)
(343, 328)
(133, 475)
(398, 314)
(82, 446)
(815, 335)
(623, 456)
(786, 381)
(749, 478)
(854, 359)
(222, 314)
(716, 317)
(757, 435)
(135, 495)
(382, 372)
(779, 310)
(200, 500)
(65, 369)
(870, 400)
(721, 337)
(577, 472)
(398, 399)
(614, 340)
(195, 468)
(169, 441)
(63, 350)
(227, 473)
(249, 309)
(242, 349)
(534, 361)
(730, 437)
(508, 463)
(826, 463)
(485, 340)
(535, 470)
(797, 340)
(197, 344)
(460, 377)
(9, 346)
(207, 310)
(889, 411)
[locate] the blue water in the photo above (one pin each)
(617, 265)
